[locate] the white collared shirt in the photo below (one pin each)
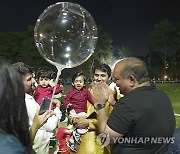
(47, 129)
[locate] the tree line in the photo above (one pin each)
(163, 56)
(164, 50)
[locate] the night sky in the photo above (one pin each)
(126, 21)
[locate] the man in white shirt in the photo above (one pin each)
(43, 135)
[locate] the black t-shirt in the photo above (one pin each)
(145, 117)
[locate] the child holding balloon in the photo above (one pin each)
(44, 90)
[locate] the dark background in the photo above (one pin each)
(126, 21)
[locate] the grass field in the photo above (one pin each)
(172, 90)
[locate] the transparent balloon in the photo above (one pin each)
(65, 34)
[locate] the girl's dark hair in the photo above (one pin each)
(80, 73)
(13, 114)
(45, 72)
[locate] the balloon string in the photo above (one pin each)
(56, 81)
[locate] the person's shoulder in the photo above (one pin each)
(38, 87)
(38, 90)
(30, 101)
(124, 101)
(87, 90)
(7, 138)
(71, 90)
(10, 144)
(47, 88)
(28, 96)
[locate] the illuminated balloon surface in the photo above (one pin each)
(65, 34)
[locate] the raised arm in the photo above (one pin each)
(38, 121)
(52, 122)
(100, 93)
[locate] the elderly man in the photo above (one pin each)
(142, 122)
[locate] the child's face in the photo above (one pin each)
(44, 82)
(79, 82)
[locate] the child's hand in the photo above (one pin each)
(81, 122)
(74, 120)
(51, 83)
(56, 102)
(69, 105)
(62, 88)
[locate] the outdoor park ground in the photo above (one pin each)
(172, 90)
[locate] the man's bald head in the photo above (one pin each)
(133, 66)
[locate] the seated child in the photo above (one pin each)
(76, 103)
(46, 85)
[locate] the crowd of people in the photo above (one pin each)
(134, 111)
